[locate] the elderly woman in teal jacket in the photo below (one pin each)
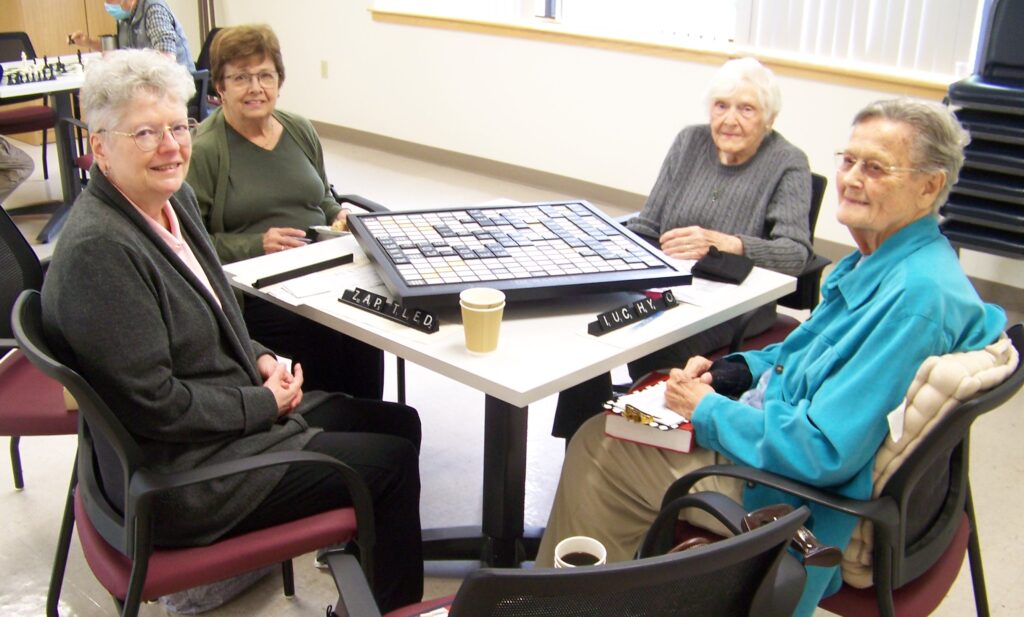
(814, 407)
(258, 173)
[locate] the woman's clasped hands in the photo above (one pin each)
(688, 385)
(284, 384)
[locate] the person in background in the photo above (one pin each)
(734, 183)
(143, 24)
(813, 408)
(249, 211)
(137, 292)
(15, 168)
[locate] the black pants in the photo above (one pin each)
(577, 404)
(331, 361)
(381, 442)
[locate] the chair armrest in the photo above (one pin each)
(359, 201)
(661, 535)
(880, 511)
(145, 485)
(622, 220)
(354, 596)
(74, 122)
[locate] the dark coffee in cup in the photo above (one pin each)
(580, 558)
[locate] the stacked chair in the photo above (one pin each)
(985, 211)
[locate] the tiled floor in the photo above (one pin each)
(452, 453)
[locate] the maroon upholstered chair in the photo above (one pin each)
(116, 535)
(30, 402)
(30, 118)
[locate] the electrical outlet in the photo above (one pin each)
(323, 69)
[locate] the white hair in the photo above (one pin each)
(113, 81)
(743, 72)
(939, 139)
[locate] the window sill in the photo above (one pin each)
(927, 86)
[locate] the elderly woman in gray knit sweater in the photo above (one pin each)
(735, 184)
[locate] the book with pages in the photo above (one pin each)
(642, 417)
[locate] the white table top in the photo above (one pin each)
(72, 80)
(544, 347)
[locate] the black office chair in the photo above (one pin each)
(735, 577)
(200, 106)
(806, 296)
(923, 519)
(24, 119)
(30, 402)
(116, 535)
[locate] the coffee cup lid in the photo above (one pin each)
(482, 297)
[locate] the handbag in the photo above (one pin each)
(723, 267)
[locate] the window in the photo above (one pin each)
(937, 38)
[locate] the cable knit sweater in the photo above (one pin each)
(764, 201)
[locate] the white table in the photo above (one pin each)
(60, 92)
(544, 349)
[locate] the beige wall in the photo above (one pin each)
(598, 115)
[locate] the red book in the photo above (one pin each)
(642, 417)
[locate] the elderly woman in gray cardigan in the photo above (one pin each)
(735, 184)
(137, 291)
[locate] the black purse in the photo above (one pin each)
(723, 267)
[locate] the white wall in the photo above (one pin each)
(602, 116)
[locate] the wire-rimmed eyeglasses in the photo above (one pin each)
(876, 170)
(148, 138)
(267, 79)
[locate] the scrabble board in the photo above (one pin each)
(530, 251)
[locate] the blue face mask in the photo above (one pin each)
(116, 11)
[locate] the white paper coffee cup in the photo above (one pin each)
(482, 310)
(580, 551)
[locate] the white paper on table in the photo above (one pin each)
(362, 275)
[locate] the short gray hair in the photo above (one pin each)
(114, 80)
(939, 139)
(741, 72)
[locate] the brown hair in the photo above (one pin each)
(243, 42)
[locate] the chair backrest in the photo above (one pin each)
(19, 270)
(724, 578)
(99, 434)
(13, 43)
(1000, 54)
(199, 106)
(203, 61)
(808, 284)
(930, 508)
(818, 185)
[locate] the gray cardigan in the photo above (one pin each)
(178, 369)
(764, 201)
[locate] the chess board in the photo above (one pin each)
(35, 71)
(529, 251)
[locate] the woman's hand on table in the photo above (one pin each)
(693, 242)
(277, 239)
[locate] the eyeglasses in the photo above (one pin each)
(267, 79)
(149, 138)
(875, 170)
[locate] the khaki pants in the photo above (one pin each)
(611, 490)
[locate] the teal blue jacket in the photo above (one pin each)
(836, 377)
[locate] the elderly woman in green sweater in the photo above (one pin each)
(258, 173)
(735, 184)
